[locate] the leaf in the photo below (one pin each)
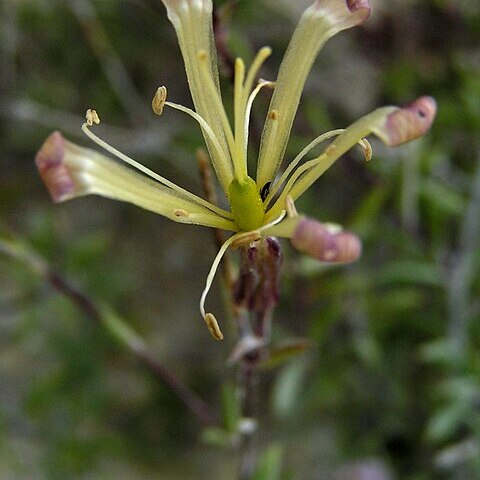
(287, 388)
(270, 464)
(445, 423)
(443, 197)
(410, 271)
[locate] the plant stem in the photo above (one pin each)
(255, 295)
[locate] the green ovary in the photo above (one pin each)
(247, 206)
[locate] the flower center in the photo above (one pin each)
(247, 206)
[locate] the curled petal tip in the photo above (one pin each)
(360, 5)
(411, 122)
(53, 171)
(325, 243)
(346, 13)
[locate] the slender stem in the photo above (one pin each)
(256, 294)
(248, 380)
(96, 313)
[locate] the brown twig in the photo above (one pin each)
(256, 294)
(101, 316)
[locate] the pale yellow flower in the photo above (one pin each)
(259, 202)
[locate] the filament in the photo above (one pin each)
(130, 161)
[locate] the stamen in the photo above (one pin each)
(248, 108)
(271, 124)
(203, 124)
(211, 275)
(179, 212)
(367, 150)
(213, 327)
(159, 100)
(291, 208)
(209, 317)
(298, 159)
(92, 117)
(145, 170)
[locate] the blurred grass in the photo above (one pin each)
(395, 375)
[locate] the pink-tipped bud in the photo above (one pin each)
(344, 13)
(362, 6)
(325, 242)
(411, 122)
(52, 169)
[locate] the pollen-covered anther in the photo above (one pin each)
(202, 55)
(52, 168)
(91, 117)
(411, 122)
(213, 326)
(326, 243)
(180, 213)
(273, 115)
(159, 100)
(367, 149)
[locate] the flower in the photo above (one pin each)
(258, 204)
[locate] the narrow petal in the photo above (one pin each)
(325, 242)
(192, 20)
(320, 22)
(71, 171)
(393, 125)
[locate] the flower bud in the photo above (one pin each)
(326, 242)
(53, 171)
(411, 122)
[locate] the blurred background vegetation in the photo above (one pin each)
(390, 389)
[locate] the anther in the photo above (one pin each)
(179, 212)
(367, 149)
(213, 327)
(92, 117)
(291, 209)
(202, 55)
(273, 115)
(159, 100)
